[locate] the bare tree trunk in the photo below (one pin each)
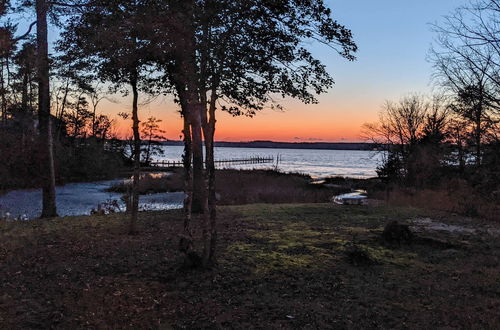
(45, 123)
(30, 84)
(193, 151)
(24, 96)
(212, 198)
(209, 133)
(188, 178)
(63, 106)
(478, 134)
(193, 112)
(64, 100)
(186, 240)
(198, 175)
(7, 67)
(461, 159)
(137, 155)
(186, 79)
(4, 101)
(200, 183)
(93, 120)
(187, 88)
(199, 186)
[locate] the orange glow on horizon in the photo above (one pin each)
(324, 122)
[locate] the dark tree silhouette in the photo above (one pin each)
(25, 59)
(151, 134)
(45, 123)
(47, 167)
(107, 37)
(411, 132)
(466, 58)
(237, 56)
(7, 48)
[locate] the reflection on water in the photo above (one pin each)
(316, 163)
(80, 199)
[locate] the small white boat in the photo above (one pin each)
(357, 197)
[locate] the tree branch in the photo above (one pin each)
(26, 34)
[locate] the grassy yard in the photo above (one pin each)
(280, 266)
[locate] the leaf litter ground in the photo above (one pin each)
(279, 266)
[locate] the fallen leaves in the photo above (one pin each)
(280, 266)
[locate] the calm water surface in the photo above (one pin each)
(81, 198)
(317, 163)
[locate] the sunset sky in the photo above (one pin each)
(393, 37)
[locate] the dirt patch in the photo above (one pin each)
(427, 224)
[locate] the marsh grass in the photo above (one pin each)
(150, 183)
(235, 187)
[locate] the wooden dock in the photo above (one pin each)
(236, 161)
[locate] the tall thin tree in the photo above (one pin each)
(45, 122)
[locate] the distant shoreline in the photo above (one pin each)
(289, 145)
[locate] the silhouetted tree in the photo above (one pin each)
(47, 167)
(151, 135)
(25, 59)
(96, 94)
(410, 131)
(45, 123)
(7, 48)
(236, 55)
(105, 36)
(78, 118)
(101, 127)
(232, 55)
(466, 58)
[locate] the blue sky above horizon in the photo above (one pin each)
(393, 37)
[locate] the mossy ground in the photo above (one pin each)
(279, 266)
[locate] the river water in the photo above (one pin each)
(81, 198)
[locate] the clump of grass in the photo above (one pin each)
(150, 183)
